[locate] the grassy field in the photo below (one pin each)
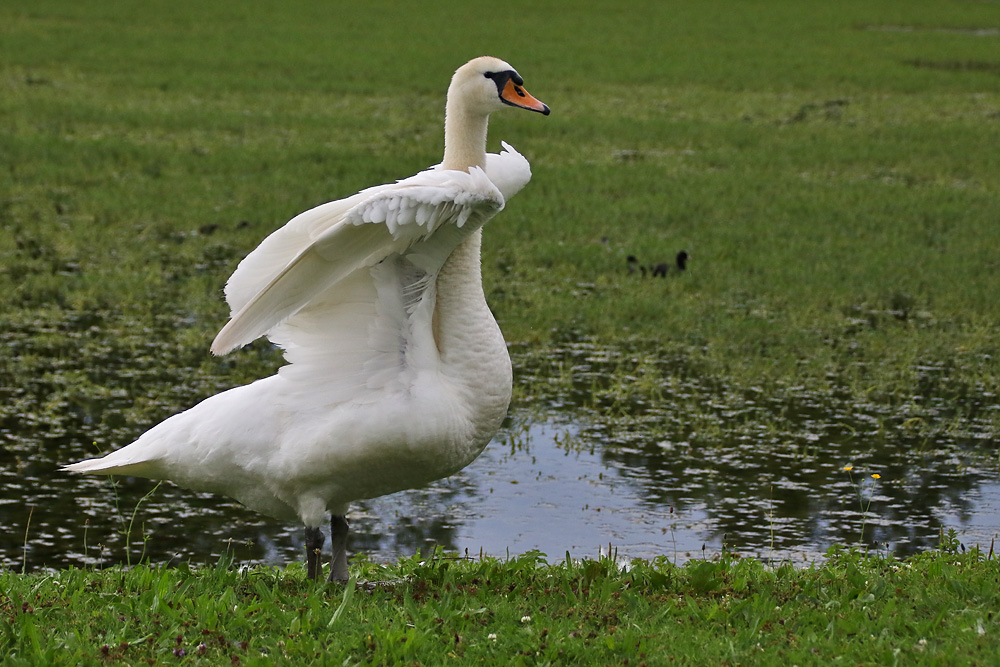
(832, 169)
(938, 608)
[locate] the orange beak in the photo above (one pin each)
(517, 96)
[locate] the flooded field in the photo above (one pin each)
(611, 448)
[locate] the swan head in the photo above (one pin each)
(484, 85)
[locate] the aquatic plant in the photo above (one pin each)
(858, 488)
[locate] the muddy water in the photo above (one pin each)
(660, 463)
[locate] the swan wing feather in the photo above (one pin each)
(509, 171)
(274, 253)
(389, 220)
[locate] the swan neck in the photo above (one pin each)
(471, 347)
(460, 290)
(464, 138)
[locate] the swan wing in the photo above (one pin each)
(351, 235)
(509, 171)
(261, 266)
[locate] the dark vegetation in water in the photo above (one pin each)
(763, 463)
(745, 450)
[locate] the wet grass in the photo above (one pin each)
(938, 607)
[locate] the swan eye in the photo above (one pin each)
(499, 79)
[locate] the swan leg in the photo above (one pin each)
(338, 537)
(314, 548)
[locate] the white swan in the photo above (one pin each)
(398, 374)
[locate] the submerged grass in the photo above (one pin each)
(938, 607)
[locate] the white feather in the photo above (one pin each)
(388, 222)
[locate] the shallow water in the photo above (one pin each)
(685, 471)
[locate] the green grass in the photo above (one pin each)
(832, 169)
(936, 608)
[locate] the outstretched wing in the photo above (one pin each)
(274, 253)
(355, 233)
(508, 171)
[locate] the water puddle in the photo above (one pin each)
(686, 469)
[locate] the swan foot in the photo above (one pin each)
(338, 539)
(314, 548)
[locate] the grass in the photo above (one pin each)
(836, 193)
(934, 608)
(832, 170)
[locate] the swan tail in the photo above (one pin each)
(114, 464)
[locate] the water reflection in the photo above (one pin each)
(688, 469)
(546, 486)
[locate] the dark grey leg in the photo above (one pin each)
(314, 548)
(338, 537)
